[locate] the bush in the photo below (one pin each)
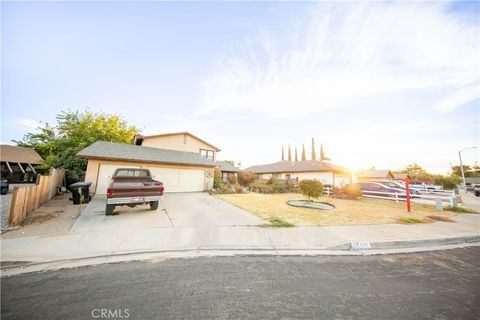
(217, 178)
(272, 180)
(347, 192)
(279, 187)
(239, 188)
(232, 178)
(311, 188)
(448, 182)
(246, 178)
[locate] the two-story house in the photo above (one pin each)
(182, 161)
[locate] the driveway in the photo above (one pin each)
(175, 210)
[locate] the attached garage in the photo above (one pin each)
(179, 171)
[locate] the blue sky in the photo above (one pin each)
(379, 84)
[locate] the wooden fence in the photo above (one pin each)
(25, 200)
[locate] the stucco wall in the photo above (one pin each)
(179, 142)
(94, 165)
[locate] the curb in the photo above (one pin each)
(11, 268)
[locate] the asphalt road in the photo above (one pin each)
(435, 285)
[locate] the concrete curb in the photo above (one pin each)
(11, 268)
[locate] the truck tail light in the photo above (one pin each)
(109, 191)
(161, 189)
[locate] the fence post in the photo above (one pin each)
(396, 197)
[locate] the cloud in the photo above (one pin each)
(343, 53)
(23, 124)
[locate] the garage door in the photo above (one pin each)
(180, 180)
(105, 171)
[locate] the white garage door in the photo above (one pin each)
(180, 180)
(104, 172)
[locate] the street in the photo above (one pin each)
(431, 285)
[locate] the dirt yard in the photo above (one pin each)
(54, 218)
(346, 212)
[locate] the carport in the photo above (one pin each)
(179, 171)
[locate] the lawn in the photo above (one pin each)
(347, 212)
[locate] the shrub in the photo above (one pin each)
(311, 188)
(239, 188)
(347, 192)
(272, 180)
(245, 178)
(279, 187)
(232, 179)
(278, 222)
(448, 182)
(217, 178)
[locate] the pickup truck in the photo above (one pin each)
(132, 187)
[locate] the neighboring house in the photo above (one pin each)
(18, 163)
(180, 141)
(472, 180)
(399, 176)
(325, 172)
(188, 170)
(368, 175)
(228, 170)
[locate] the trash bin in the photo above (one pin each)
(80, 192)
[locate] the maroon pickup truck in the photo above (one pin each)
(131, 187)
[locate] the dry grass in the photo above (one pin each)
(347, 212)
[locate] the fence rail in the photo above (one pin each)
(26, 200)
(444, 195)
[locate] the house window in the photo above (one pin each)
(209, 154)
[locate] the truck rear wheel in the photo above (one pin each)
(109, 209)
(154, 205)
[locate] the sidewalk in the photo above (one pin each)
(232, 238)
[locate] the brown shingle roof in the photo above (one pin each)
(298, 166)
(226, 166)
(123, 151)
(19, 154)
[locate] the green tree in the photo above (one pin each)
(323, 156)
(289, 154)
(470, 171)
(416, 172)
(217, 178)
(311, 188)
(304, 155)
(448, 182)
(296, 154)
(75, 130)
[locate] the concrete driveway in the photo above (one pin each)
(175, 210)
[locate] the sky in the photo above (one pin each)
(378, 84)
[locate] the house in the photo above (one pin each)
(18, 163)
(368, 175)
(325, 172)
(399, 176)
(228, 170)
(182, 161)
(180, 141)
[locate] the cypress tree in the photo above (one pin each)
(289, 153)
(304, 156)
(314, 155)
(283, 154)
(296, 155)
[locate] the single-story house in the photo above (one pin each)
(180, 171)
(399, 176)
(228, 170)
(325, 172)
(369, 175)
(18, 163)
(472, 180)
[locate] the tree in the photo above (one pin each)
(296, 154)
(283, 154)
(304, 156)
(323, 156)
(448, 182)
(469, 171)
(59, 144)
(416, 172)
(314, 156)
(311, 188)
(289, 154)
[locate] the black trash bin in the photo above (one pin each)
(84, 197)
